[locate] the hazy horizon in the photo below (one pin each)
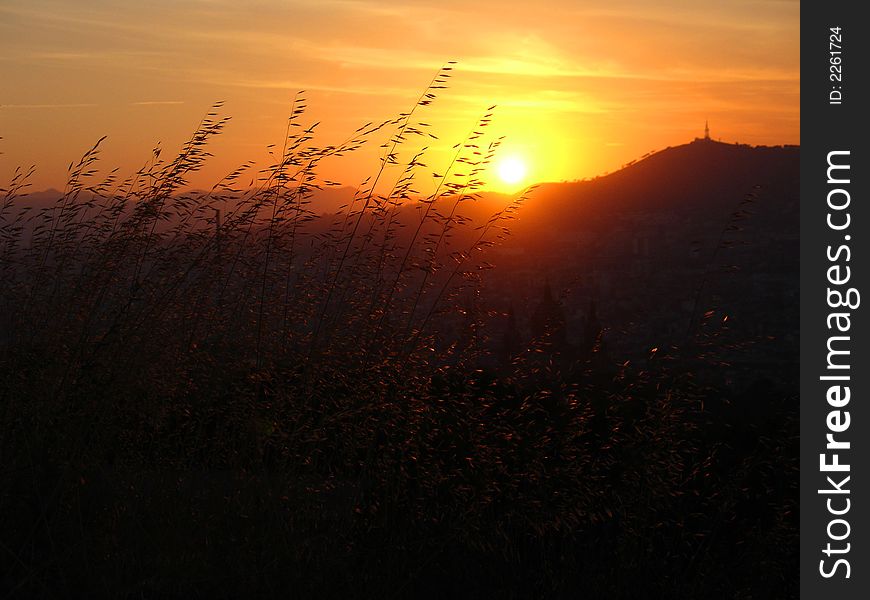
(486, 189)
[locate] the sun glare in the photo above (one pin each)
(512, 170)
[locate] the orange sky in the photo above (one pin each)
(581, 86)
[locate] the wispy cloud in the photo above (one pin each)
(40, 106)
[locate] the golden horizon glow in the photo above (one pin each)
(582, 87)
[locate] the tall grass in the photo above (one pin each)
(220, 393)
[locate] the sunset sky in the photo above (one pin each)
(581, 86)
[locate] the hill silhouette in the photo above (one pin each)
(703, 176)
(700, 184)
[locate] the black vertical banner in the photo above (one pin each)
(835, 366)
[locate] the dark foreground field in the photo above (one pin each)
(371, 488)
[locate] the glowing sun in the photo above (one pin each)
(512, 170)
